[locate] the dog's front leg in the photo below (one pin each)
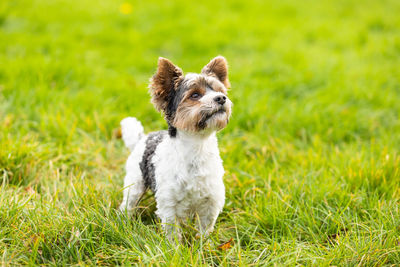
(206, 219)
(171, 229)
(166, 211)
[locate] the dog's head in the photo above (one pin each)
(192, 102)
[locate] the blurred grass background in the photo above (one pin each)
(311, 153)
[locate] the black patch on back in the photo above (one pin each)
(146, 166)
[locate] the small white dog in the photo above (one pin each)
(181, 166)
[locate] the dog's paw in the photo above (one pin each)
(124, 210)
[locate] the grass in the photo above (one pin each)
(311, 154)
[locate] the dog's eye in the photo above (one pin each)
(195, 96)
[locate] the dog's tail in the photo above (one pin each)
(132, 131)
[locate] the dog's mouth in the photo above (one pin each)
(216, 112)
(202, 123)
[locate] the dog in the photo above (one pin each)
(181, 165)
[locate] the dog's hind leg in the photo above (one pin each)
(134, 189)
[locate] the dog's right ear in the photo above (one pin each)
(163, 82)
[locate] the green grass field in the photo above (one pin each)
(311, 154)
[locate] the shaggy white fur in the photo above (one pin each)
(182, 166)
(188, 177)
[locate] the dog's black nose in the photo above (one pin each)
(221, 99)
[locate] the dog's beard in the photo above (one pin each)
(200, 118)
(215, 119)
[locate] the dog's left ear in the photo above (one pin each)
(218, 67)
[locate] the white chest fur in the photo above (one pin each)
(188, 174)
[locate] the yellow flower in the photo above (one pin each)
(125, 8)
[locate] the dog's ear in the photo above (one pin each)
(166, 79)
(218, 67)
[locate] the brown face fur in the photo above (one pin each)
(203, 112)
(189, 102)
